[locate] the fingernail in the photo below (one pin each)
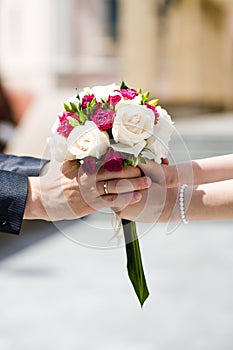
(149, 181)
(137, 196)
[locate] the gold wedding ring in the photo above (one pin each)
(106, 188)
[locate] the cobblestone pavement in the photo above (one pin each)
(56, 294)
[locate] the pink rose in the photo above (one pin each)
(129, 94)
(113, 161)
(113, 100)
(87, 99)
(156, 113)
(89, 165)
(64, 127)
(103, 118)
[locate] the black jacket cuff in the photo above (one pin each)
(14, 188)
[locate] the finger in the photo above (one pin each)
(127, 172)
(165, 161)
(154, 170)
(70, 169)
(123, 185)
(121, 200)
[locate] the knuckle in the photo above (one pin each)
(111, 197)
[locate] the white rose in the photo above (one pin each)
(87, 140)
(102, 92)
(132, 125)
(158, 144)
(58, 148)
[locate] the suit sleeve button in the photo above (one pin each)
(3, 221)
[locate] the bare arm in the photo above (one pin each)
(212, 201)
(195, 172)
(205, 170)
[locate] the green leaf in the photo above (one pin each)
(83, 118)
(154, 102)
(67, 107)
(93, 102)
(142, 160)
(135, 161)
(145, 97)
(134, 261)
(74, 108)
(123, 85)
(73, 122)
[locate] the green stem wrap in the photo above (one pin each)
(134, 260)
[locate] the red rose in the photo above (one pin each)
(64, 128)
(87, 99)
(129, 94)
(153, 108)
(103, 118)
(89, 165)
(113, 100)
(113, 161)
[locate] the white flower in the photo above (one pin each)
(102, 92)
(87, 140)
(158, 143)
(133, 125)
(72, 99)
(58, 148)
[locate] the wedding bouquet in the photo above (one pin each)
(113, 126)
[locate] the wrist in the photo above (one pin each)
(171, 208)
(171, 175)
(34, 208)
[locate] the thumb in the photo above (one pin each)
(153, 170)
(148, 168)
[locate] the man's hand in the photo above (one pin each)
(69, 193)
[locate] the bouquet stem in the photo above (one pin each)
(134, 261)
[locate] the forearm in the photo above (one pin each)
(213, 201)
(201, 171)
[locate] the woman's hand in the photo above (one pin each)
(157, 204)
(163, 174)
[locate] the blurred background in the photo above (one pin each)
(181, 51)
(59, 295)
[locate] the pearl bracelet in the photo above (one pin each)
(181, 202)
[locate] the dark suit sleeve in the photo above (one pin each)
(13, 195)
(28, 166)
(14, 172)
